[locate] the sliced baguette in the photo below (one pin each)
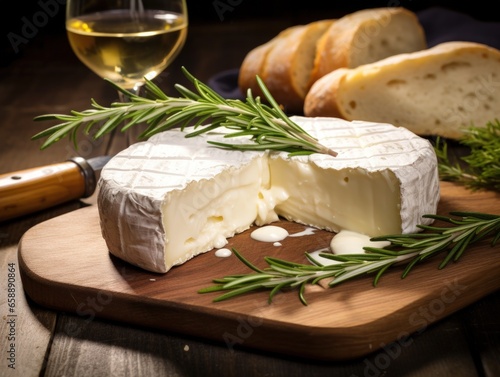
(366, 36)
(439, 91)
(254, 63)
(289, 63)
(293, 60)
(284, 64)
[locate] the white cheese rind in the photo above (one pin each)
(163, 201)
(138, 185)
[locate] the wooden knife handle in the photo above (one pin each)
(39, 188)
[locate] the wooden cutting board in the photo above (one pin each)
(66, 266)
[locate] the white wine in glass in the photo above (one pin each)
(126, 41)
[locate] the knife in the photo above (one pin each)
(34, 189)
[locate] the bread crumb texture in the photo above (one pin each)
(438, 91)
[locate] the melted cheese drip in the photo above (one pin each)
(348, 242)
(223, 253)
(270, 233)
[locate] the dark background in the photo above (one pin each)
(16, 14)
(205, 10)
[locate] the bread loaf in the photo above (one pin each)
(290, 62)
(254, 62)
(366, 36)
(284, 64)
(439, 91)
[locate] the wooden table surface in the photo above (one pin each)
(45, 78)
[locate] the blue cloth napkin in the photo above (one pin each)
(444, 25)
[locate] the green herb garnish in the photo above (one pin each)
(267, 125)
(408, 249)
(480, 169)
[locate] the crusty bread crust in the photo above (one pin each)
(440, 91)
(251, 67)
(323, 100)
(366, 36)
(287, 68)
(254, 62)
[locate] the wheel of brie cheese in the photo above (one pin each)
(165, 200)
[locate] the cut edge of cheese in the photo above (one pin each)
(166, 200)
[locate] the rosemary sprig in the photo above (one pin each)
(480, 169)
(465, 229)
(267, 126)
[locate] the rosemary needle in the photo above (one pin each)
(480, 169)
(267, 126)
(464, 229)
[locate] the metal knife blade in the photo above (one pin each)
(34, 189)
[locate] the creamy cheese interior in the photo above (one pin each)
(207, 212)
(369, 202)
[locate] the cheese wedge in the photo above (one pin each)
(163, 201)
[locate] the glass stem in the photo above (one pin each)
(134, 132)
(137, 89)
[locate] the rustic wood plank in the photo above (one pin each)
(439, 349)
(63, 270)
(482, 327)
(102, 349)
(25, 328)
(83, 347)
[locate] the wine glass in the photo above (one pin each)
(127, 41)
